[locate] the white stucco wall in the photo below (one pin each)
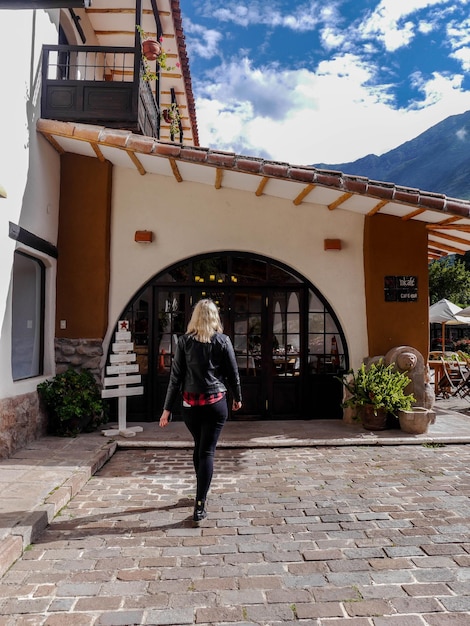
(192, 218)
(29, 171)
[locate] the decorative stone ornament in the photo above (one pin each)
(416, 421)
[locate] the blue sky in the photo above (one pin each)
(325, 81)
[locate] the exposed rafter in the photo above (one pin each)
(303, 194)
(410, 216)
(137, 163)
(262, 185)
(175, 170)
(334, 205)
(444, 246)
(450, 235)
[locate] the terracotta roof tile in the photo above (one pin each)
(183, 56)
(304, 174)
(223, 159)
(458, 207)
(257, 166)
(356, 184)
(278, 170)
(114, 137)
(247, 164)
(410, 196)
(332, 179)
(193, 154)
(381, 190)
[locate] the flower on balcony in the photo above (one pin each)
(152, 50)
(172, 117)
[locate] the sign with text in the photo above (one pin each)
(401, 288)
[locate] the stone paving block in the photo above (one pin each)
(11, 548)
(176, 617)
(220, 614)
(70, 620)
(450, 619)
(318, 610)
(120, 618)
(461, 603)
(368, 608)
(399, 620)
(416, 605)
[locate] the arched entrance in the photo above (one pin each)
(289, 344)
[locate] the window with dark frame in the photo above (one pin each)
(27, 334)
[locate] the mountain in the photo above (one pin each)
(438, 160)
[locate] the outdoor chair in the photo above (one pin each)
(451, 378)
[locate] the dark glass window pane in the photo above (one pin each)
(210, 271)
(27, 317)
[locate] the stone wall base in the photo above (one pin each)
(22, 420)
(79, 354)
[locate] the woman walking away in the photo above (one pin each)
(203, 367)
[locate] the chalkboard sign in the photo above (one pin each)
(401, 288)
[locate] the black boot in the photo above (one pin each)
(199, 512)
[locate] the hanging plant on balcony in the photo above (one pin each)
(152, 50)
(172, 117)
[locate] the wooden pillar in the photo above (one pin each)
(396, 248)
(83, 244)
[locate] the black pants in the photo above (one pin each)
(205, 424)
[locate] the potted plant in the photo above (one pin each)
(73, 403)
(152, 50)
(172, 117)
(375, 392)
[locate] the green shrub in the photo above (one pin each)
(379, 385)
(73, 403)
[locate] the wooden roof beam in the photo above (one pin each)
(334, 205)
(465, 228)
(410, 216)
(303, 194)
(140, 168)
(97, 151)
(175, 170)
(219, 174)
(262, 185)
(465, 242)
(444, 246)
(377, 207)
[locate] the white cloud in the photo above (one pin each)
(461, 134)
(389, 25)
(331, 116)
(463, 56)
(303, 17)
(201, 41)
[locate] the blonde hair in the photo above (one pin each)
(205, 321)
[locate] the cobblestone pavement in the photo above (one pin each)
(324, 536)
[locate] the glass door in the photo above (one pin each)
(285, 316)
(246, 328)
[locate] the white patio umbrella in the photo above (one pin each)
(446, 312)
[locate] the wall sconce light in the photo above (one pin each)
(3, 193)
(143, 236)
(332, 244)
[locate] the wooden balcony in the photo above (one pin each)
(98, 85)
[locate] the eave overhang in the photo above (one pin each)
(447, 219)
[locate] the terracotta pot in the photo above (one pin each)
(151, 49)
(416, 421)
(373, 419)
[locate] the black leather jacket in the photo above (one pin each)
(203, 368)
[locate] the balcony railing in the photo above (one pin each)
(98, 85)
